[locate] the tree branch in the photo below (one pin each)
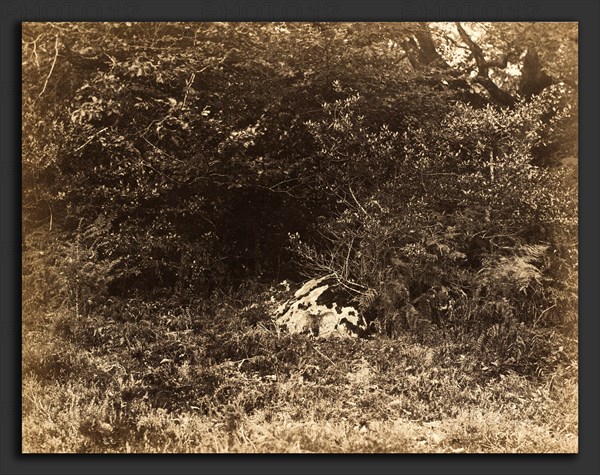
(475, 50)
(483, 69)
(51, 68)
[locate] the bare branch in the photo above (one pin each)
(51, 68)
(356, 201)
(89, 140)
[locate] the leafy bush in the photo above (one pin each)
(478, 249)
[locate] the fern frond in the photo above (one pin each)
(367, 300)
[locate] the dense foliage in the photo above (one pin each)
(188, 157)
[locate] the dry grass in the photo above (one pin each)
(149, 379)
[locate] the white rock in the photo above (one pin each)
(312, 311)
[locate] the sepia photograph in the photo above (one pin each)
(299, 237)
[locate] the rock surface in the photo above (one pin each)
(321, 307)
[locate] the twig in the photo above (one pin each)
(287, 180)
(265, 328)
(188, 86)
(346, 284)
(323, 354)
(162, 151)
(51, 68)
(271, 189)
(34, 42)
(90, 139)
(359, 205)
(537, 320)
(346, 264)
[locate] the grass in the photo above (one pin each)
(219, 377)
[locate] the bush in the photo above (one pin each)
(476, 252)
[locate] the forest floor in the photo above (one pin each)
(159, 377)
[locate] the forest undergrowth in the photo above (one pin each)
(174, 174)
(218, 376)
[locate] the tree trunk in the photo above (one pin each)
(421, 51)
(533, 78)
